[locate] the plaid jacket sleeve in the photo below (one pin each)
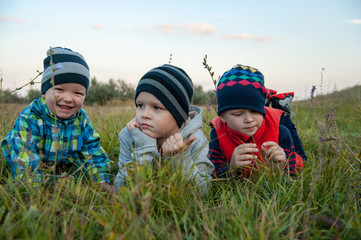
(20, 145)
(97, 160)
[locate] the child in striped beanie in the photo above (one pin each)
(247, 136)
(166, 126)
(53, 133)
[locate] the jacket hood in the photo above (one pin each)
(193, 123)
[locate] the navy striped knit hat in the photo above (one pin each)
(173, 88)
(241, 87)
(66, 67)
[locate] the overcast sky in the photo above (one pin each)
(288, 41)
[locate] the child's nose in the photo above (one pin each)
(146, 113)
(248, 117)
(68, 97)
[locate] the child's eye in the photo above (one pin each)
(140, 106)
(80, 93)
(157, 108)
(58, 89)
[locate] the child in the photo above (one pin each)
(166, 126)
(246, 134)
(53, 131)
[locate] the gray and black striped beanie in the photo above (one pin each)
(67, 67)
(172, 86)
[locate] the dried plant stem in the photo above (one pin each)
(32, 82)
(209, 69)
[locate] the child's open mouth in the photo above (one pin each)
(63, 107)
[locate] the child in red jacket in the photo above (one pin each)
(246, 135)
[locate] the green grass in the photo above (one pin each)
(322, 202)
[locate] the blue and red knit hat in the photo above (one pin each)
(241, 87)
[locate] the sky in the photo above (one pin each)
(295, 44)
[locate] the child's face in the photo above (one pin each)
(154, 119)
(242, 120)
(65, 100)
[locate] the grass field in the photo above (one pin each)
(322, 202)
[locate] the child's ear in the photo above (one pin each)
(222, 118)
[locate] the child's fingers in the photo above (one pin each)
(133, 124)
(246, 148)
(190, 140)
(269, 149)
(245, 157)
(241, 163)
(268, 145)
(242, 159)
(175, 144)
(263, 150)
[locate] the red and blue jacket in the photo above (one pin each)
(222, 145)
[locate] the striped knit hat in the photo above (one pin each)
(173, 88)
(241, 87)
(66, 67)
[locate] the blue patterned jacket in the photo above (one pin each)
(38, 136)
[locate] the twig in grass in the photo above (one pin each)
(32, 82)
(209, 69)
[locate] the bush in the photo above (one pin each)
(7, 97)
(201, 98)
(101, 93)
(33, 94)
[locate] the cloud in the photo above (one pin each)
(97, 26)
(242, 36)
(143, 29)
(264, 39)
(200, 28)
(356, 21)
(189, 28)
(9, 19)
(248, 36)
(168, 29)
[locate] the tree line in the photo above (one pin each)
(100, 93)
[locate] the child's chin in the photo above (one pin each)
(148, 133)
(249, 134)
(65, 116)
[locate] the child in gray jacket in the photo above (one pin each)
(166, 127)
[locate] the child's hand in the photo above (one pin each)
(274, 154)
(243, 156)
(133, 124)
(175, 144)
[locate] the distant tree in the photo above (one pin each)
(98, 93)
(126, 91)
(33, 94)
(101, 93)
(6, 97)
(199, 96)
(211, 95)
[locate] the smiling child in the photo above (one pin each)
(54, 133)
